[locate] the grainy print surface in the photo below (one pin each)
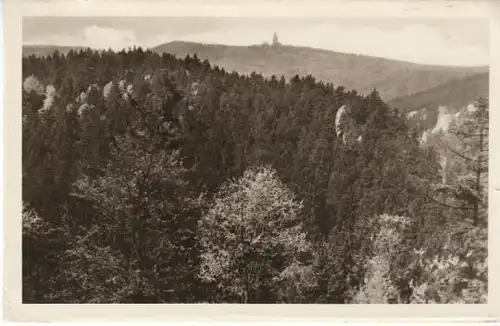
(188, 160)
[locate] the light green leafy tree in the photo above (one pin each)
(253, 245)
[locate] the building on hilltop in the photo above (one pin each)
(275, 39)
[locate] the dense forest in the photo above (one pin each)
(153, 179)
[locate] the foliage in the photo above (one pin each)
(253, 246)
(354, 71)
(450, 266)
(42, 243)
(149, 178)
(384, 268)
(459, 273)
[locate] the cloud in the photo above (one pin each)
(55, 39)
(416, 43)
(92, 36)
(460, 42)
(105, 37)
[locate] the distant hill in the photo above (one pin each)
(455, 93)
(45, 50)
(422, 108)
(392, 78)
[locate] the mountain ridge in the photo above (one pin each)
(47, 49)
(302, 47)
(455, 93)
(394, 79)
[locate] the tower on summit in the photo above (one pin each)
(275, 39)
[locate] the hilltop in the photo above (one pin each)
(392, 78)
(153, 179)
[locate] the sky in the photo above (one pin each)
(454, 41)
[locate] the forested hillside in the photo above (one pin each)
(46, 50)
(363, 73)
(456, 93)
(153, 179)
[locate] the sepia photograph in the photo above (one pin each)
(254, 160)
(229, 159)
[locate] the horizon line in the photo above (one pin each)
(260, 44)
